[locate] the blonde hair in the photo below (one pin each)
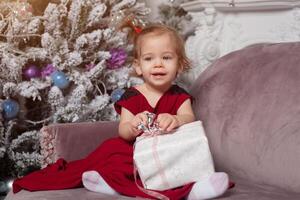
(159, 29)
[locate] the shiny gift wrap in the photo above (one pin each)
(151, 128)
(165, 161)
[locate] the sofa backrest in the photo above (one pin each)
(249, 102)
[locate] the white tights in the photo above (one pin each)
(93, 181)
(211, 187)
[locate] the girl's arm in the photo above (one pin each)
(185, 114)
(128, 124)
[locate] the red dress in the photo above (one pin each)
(113, 159)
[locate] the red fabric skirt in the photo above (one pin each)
(113, 159)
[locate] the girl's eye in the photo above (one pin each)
(167, 57)
(147, 58)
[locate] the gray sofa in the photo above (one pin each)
(249, 102)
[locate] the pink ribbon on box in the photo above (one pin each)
(152, 130)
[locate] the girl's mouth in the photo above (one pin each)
(158, 74)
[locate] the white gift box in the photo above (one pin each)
(170, 160)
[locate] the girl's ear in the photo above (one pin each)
(137, 67)
(180, 69)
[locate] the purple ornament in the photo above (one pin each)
(32, 71)
(48, 70)
(117, 59)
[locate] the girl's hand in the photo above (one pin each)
(167, 122)
(137, 119)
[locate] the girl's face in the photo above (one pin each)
(158, 61)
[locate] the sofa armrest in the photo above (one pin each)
(73, 141)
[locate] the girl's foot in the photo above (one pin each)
(93, 181)
(212, 187)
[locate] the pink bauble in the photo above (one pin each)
(32, 71)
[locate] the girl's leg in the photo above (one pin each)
(209, 188)
(93, 181)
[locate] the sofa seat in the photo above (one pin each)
(70, 194)
(244, 190)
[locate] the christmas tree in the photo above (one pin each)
(172, 14)
(67, 62)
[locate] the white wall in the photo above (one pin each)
(223, 28)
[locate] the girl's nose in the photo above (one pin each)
(158, 62)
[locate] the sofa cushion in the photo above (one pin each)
(249, 102)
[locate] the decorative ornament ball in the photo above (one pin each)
(32, 71)
(10, 108)
(118, 57)
(3, 187)
(117, 94)
(9, 184)
(60, 79)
